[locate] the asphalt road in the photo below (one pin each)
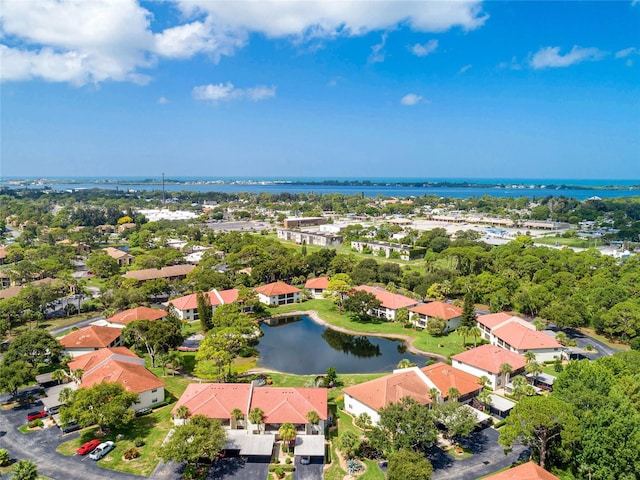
(313, 471)
(79, 324)
(602, 350)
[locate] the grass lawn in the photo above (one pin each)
(568, 242)
(450, 344)
(152, 428)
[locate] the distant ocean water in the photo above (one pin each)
(388, 187)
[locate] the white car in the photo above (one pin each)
(101, 450)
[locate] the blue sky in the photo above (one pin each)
(314, 88)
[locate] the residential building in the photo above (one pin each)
(278, 293)
(173, 272)
(120, 365)
(187, 307)
(309, 237)
(297, 222)
(122, 319)
(89, 339)
(525, 471)
(390, 303)
(317, 286)
(421, 314)
(486, 361)
(123, 258)
(519, 336)
(405, 252)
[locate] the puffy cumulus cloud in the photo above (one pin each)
(329, 18)
(550, 57)
(424, 49)
(222, 92)
(411, 99)
(75, 41)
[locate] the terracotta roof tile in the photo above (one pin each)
(490, 357)
(445, 376)
(524, 338)
(190, 302)
(215, 400)
(139, 313)
(165, 272)
(89, 360)
(439, 310)
(392, 301)
(526, 471)
(320, 283)
(383, 391)
(289, 404)
(91, 337)
(132, 376)
(276, 288)
(493, 319)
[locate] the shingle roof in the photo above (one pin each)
(438, 309)
(490, 357)
(381, 392)
(140, 313)
(392, 301)
(215, 400)
(445, 376)
(91, 337)
(190, 302)
(524, 338)
(165, 272)
(289, 404)
(116, 253)
(276, 288)
(526, 471)
(317, 283)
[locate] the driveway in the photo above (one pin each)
(313, 471)
(488, 457)
(40, 448)
(583, 340)
(238, 469)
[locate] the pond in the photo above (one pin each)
(301, 346)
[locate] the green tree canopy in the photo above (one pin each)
(199, 438)
(409, 465)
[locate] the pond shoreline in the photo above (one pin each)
(408, 339)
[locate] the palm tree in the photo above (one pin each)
(519, 383)
(464, 333)
(453, 393)
(483, 380)
(183, 412)
(484, 397)
(65, 395)
(475, 332)
(529, 356)
(25, 470)
(59, 376)
(256, 417)
(77, 375)
(405, 363)
(533, 368)
(287, 433)
(507, 370)
(562, 338)
(313, 418)
(236, 416)
(176, 360)
(539, 324)
(434, 393)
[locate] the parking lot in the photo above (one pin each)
(312, 471)
(236, 468)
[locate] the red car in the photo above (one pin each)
(35, 415)
(88, 447)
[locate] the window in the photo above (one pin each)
(154, 390)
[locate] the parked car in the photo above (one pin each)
(88, 447)
(101, 450)
(35, 415)
(306, 460)
(70, 427)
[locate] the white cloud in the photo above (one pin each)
(163, 101)
(424, 49)
(227, 91)
(626, 52)
(465, 68)
(411, 99)
(550, 57)
(185, 41)
(377, 51)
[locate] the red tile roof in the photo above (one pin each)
(524, 338)
(116, 253)
(392, 301)
(289, 404)
(276, 288)
(132, 376)
(490, 357)
(381, 392)
(91, 359)
(215, 400)
(91, 337)
(320, 283)
(526, 471)
(438, 309)
(190, 302)
(445, 376)
(493, 319)
(139, 313)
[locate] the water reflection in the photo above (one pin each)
(299, 345)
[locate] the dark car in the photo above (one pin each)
(35, 415)
(88, 447)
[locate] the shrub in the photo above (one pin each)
(288, 461)
(131, 453)
(353, 466)
(119, 437)
(138, 442)
(279, 472)
(36, 423)
(4, 457)
(500, 424)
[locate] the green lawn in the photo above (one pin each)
(152, 428)
(446, 345)
(561, 241)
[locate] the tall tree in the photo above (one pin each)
(256, 417)
(457, 419)
(34, 347)
(15, 374)
(538, 422)
(506, 369)
(469, 317)
(205, 313)
(287, 433)
(155, 336)
(361, 303)
(199, 438)
(409, 465)
(25, 470)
